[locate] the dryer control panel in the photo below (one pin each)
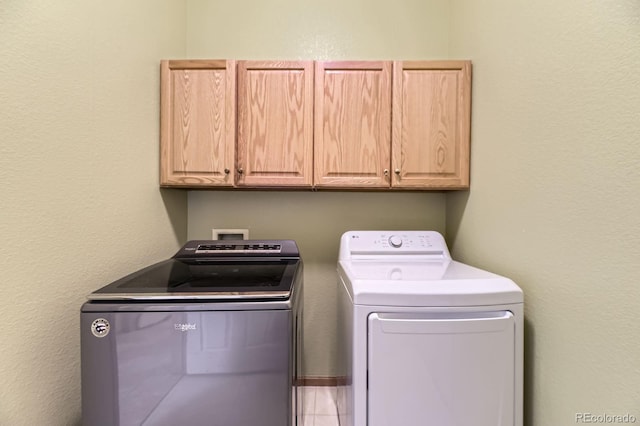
(381, 243)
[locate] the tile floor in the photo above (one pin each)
(320, 406)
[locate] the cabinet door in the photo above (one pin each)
(431, 124)
(197, 122)
(275, 130)
(352, 124)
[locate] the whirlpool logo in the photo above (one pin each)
(100, 327)
(184, 326)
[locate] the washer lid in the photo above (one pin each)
(425, 283)
(206, 278)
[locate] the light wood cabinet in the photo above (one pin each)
(352, 124)
(346, 124)
(431, 124)
(275, 123)
(198, 122)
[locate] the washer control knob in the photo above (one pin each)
(395, 241)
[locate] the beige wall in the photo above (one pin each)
(289, 29)
(79, 198)
(327, 29)
(554, 197)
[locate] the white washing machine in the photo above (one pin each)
(425, 340)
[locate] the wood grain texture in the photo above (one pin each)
(348, 134)
(197, 133)
(431, 124)
(275, 123)
(352, 124)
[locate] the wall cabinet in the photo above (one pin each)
(429, 113)
(431, 124)
(348, 124)
(275, 123)
(197, 123)
(352, 124)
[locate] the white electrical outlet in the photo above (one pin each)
(229, 234)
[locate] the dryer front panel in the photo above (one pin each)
(441, 369)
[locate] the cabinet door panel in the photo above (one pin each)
(431, 124)
(197, 134)
(275, 130)
(352, 124)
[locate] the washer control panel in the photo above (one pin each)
(393, 243)
(238, 248)
(206, 249)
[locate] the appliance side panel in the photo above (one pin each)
(297, 367)
(518, 311)
(99, 372)
(345, 333)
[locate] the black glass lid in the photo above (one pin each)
(205, 279)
